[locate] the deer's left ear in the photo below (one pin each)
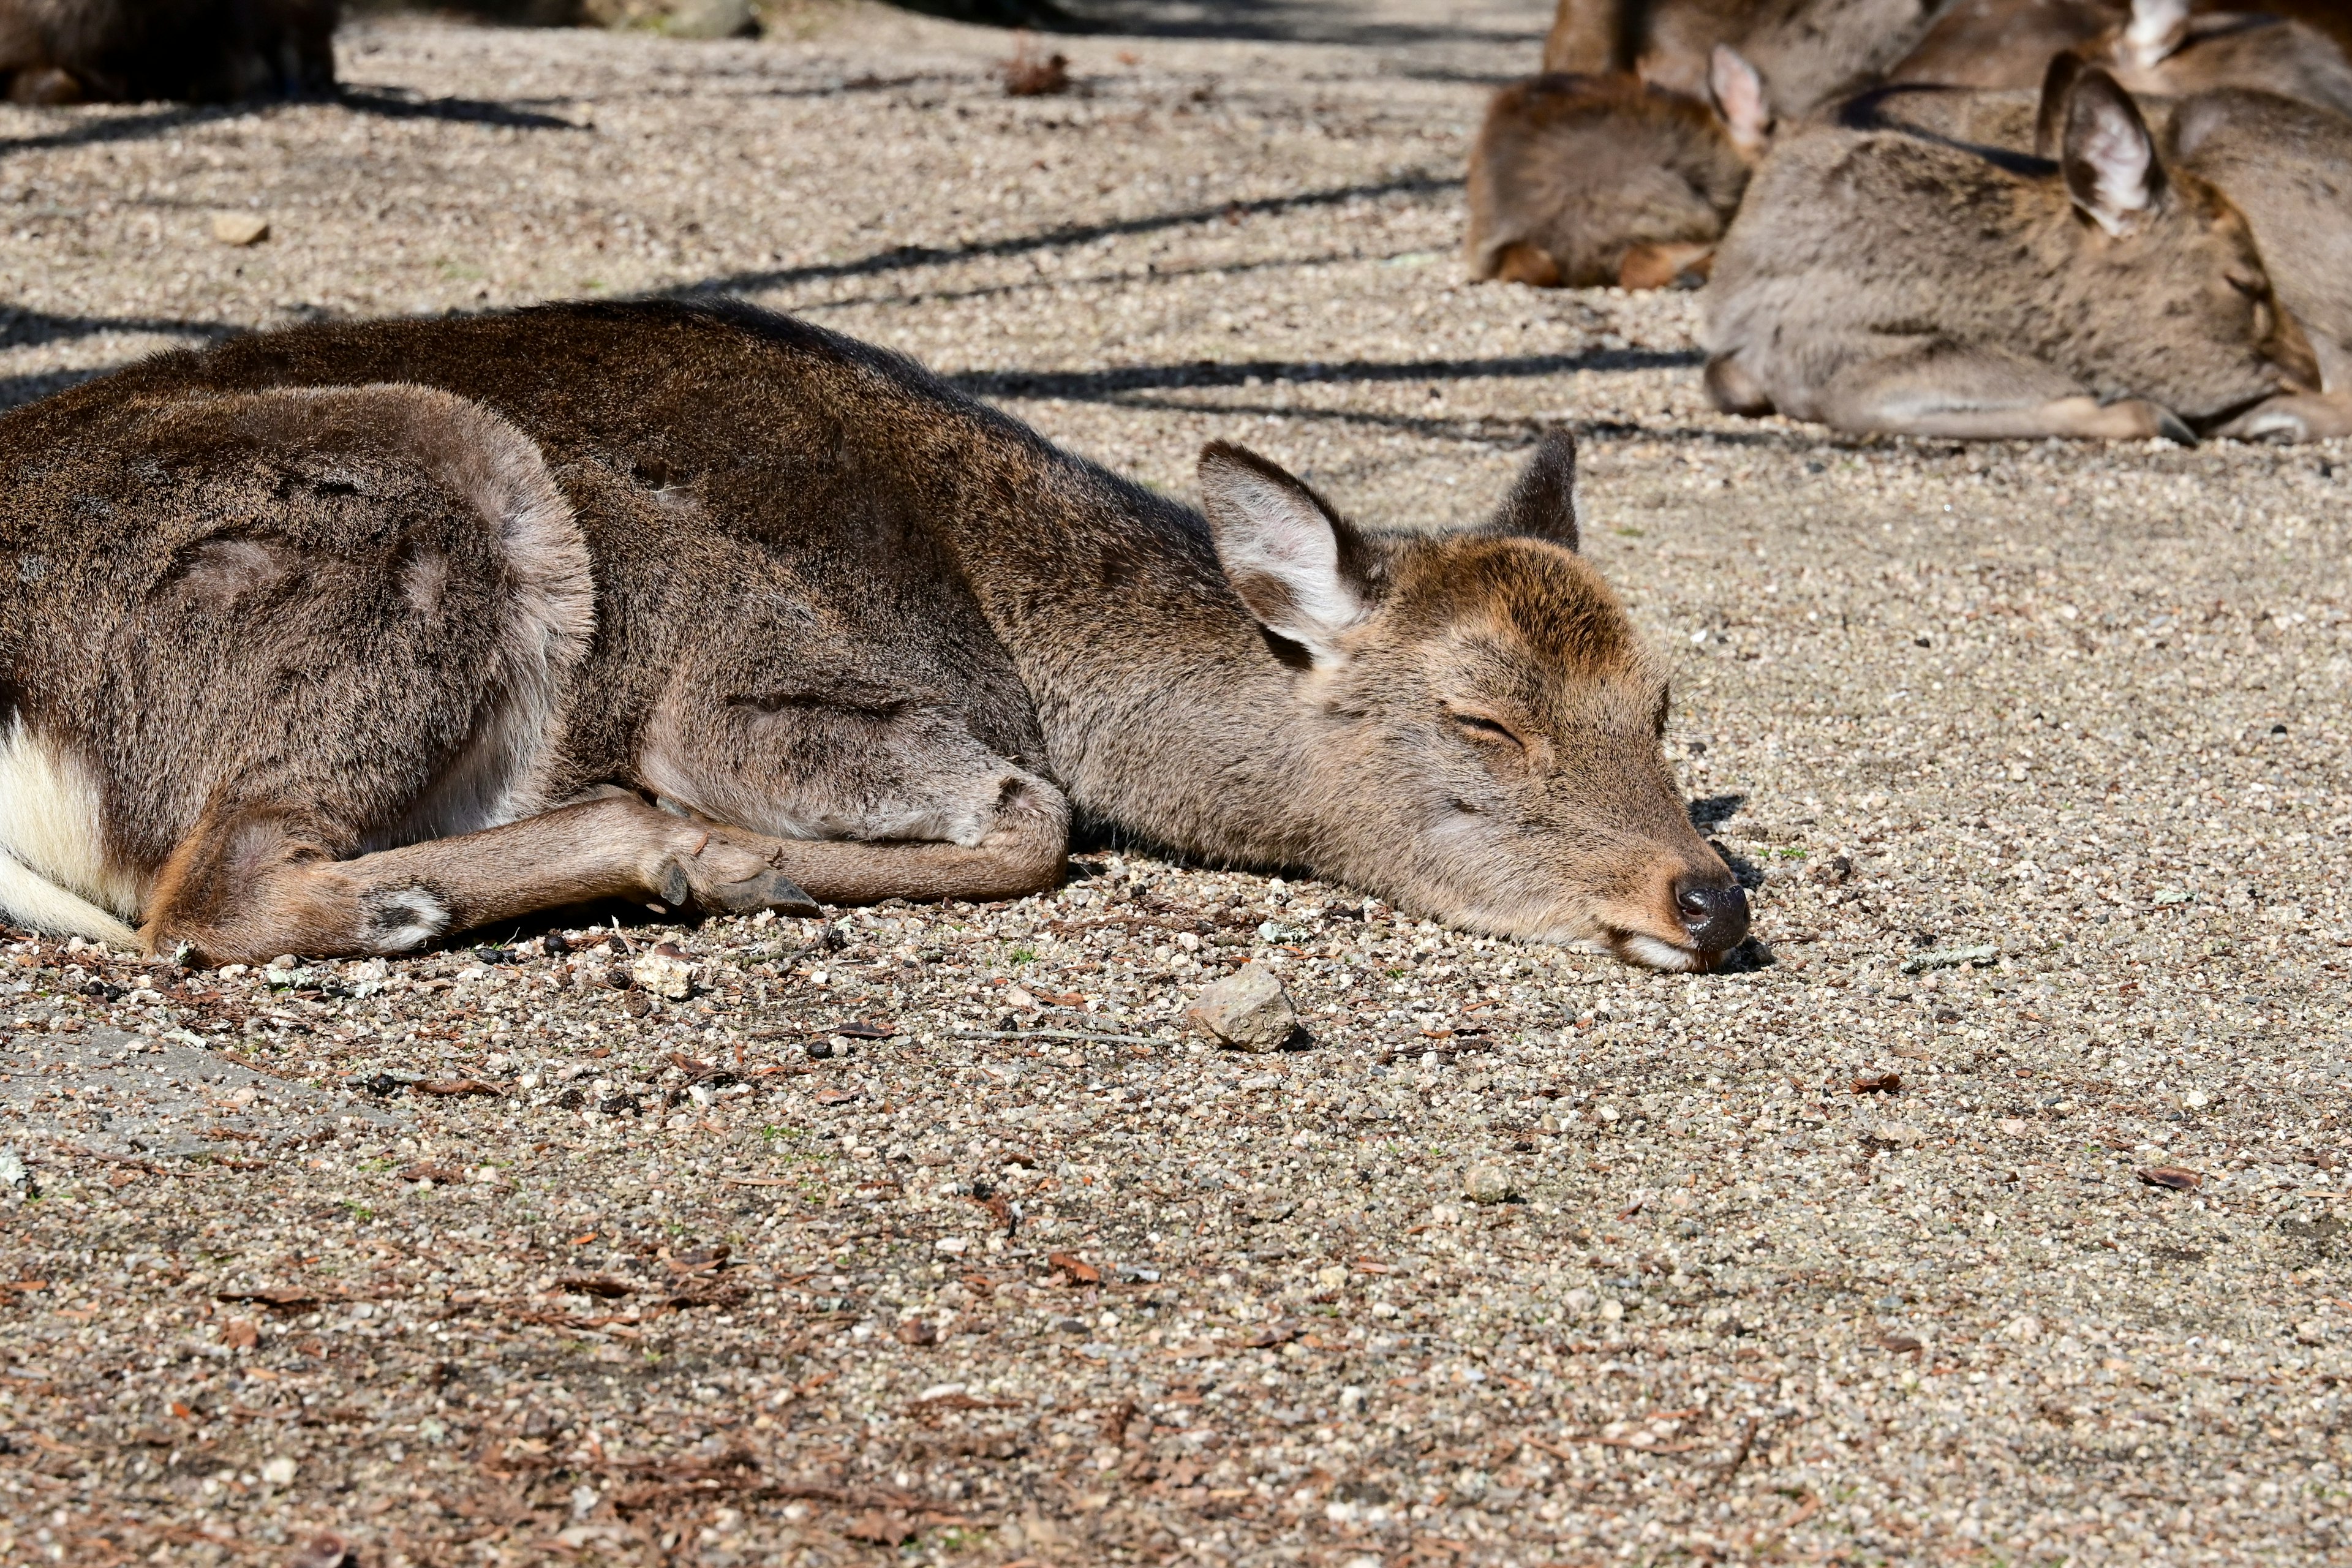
(1543, 503)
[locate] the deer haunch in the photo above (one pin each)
(346, 639)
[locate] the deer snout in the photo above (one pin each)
(1713, 911)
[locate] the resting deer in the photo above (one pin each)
(1811, 52)
(340, 639)
(1579, 181)
(2164, 48)
(1886, 278)
(1624, 161)
(74, 51)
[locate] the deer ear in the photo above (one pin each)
(1738, 93)
(2049, 116)
(2157, 29)
(2109, 160)
(1543, 503)
(1299, 568)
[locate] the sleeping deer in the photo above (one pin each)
(1580, 181)
(1883, 276)
(1624, 161)
(2165, 48)
(1811, 52)
(76, 51)
(345, 639)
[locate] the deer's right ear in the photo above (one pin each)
(2106, 153)
(1543, 503)
(1296, 565)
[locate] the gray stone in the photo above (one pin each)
(1248, 1010)
(1486, 1183)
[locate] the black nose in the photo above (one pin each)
(1714, 914)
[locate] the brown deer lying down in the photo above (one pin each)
(1581, 180)
(2288, 168)
(76, 51)
(1623, 162)
(2155, 47)
(340, 639)
(1811, 52)
(1884, 278)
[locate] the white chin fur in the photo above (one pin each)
(1652, 954)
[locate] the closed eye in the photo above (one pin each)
(1478, 727)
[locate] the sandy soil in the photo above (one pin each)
(932, 1234)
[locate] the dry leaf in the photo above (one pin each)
(2176, 1177)
(600, 1285)
(1274, 1335)
(444, 1175)
(1901, 1344)
(1078, 1269)
(883, 1527)
(457, 1086)
(917, 1332)
(1878, 1083)
(240, 1334)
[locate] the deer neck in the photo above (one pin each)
(1164, 707)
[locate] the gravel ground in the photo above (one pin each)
(932, 1234)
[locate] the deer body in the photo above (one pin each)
(1884, 276)
(2288, 168)
(385, 630)
(2165, 48)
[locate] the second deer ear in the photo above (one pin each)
(2157, 29)
(1298, 567)
(2105, 152)
(1739, 92)
(1543, 503)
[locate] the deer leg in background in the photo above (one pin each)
(1983, 394)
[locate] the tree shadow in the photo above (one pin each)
(1110, 385)
(401, 103)
(899, 257)
(21, 328)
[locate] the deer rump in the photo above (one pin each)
(345, 639)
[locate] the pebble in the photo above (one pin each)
(241, 228)
(1486, 1183)
(1248, 1010)
(664, 971)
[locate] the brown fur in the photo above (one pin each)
(2156, 47)
(859, 634)
(2288, 168)
(1811, 51)
(1573, 175)
(1886, 278)
(67, 51)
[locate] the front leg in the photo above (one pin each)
(1984, 394)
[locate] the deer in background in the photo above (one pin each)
(2164, 48)
(346, 639)
(1624, 161)
(86, 51)
(1884, 276)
